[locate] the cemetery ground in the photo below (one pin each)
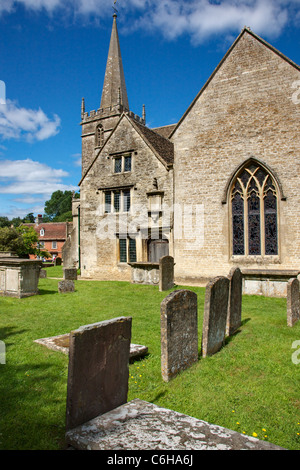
(251, 385)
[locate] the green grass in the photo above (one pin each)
(251, 381)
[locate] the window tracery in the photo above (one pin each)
(254, 213)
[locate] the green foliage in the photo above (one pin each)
(5, 222)
(11, 240)
(22, 240)
(66, 217)
(29, 218)
(59, 203)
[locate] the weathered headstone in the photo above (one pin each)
(43, 273)
(215, 315)
(166, 273)
(70, 274)
(57, 261)
(293, 304)
(179, 332)
(98, 369)
(66, 286)
(234, 313)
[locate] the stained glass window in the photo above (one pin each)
(254, 213)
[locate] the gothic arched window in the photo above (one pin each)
(254, 212)
(99, 136)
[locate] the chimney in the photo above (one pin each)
(39, 219)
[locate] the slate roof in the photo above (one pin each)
(162, 146)
(165, 131)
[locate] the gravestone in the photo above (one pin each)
(166, 273)
(179, 332)
(215, 315)
(98, 369)
(234, 313)
(57, 261)
(43, 273)
(66, 286)
(293, 307)
(70, 274)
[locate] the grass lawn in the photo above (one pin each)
(250, 386)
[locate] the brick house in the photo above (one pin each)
(52, 235)
(218, 189)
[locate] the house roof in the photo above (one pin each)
(53, 230)
(244, 31)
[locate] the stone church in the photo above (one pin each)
(218, 189)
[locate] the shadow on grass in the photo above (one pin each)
(47, 291)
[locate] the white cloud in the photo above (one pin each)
(172, 18)
(17, 122)
(29, 177)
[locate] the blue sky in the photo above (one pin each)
(53, 53)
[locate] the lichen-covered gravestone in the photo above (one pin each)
(293, 307)
(66, 286)
(215, 315)
(234, 313)
(179, 332)
(98, 369)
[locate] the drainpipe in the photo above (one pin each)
(78, 212)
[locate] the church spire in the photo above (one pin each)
(114, 89)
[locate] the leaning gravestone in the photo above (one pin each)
(98, 369)
(293, 307)
(66, 286)
(70, 274)
(166, 273)
(179, 332)
(215, 315)
(234, 314)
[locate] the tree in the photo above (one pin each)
(4, 222)
(22, 240)
(59, 203)
(29, 218)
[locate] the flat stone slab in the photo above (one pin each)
(140, 425)
(61, 343)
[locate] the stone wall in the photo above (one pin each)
(245, 111)
(100, 251)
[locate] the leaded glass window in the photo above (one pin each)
(127, 250)
(132, 250)
(118, 165)
(108, 201)
(127, 163)
(117, 201)
(254, 213)
(123, 250)
(126, 200)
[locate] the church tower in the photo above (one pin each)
(97, 125)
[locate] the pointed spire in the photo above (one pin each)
(82, 108)
(114, 88)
